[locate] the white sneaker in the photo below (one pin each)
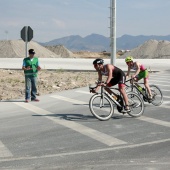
(150, 97)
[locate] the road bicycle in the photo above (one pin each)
(139, 88)
(102, 104)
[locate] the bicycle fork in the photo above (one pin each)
(101, 101)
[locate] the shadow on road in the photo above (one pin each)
(80, 117)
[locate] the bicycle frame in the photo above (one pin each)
(103, 91)
(140, 90)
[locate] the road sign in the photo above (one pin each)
(27, 33)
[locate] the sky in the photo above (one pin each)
(53, 19)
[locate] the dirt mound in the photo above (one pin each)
(151, 49)
(87, 54)
(16, 49)
(61, 51)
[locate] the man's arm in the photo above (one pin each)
(98, 85)
(138, 69)
(110, 72)
(128, 72)
(38, 66)
(24, 66)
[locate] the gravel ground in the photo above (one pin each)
(12, 82)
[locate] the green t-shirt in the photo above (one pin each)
(32, 63)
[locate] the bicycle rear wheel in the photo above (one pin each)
(101, 107)
(136, 104)
(157, 96)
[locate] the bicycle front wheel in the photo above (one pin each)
(157, 96)
(101, 107)
(136, 104)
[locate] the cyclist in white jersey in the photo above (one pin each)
(140, 72)
(114, 76)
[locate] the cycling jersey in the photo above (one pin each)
(143, 71)
(117, 74)
(134, 67)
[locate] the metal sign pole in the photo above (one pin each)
(26, 41)
(113, 31)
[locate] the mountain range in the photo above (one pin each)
(98, 43)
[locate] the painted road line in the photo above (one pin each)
(155, 121)
(4, 152)
(164, 89)
(166, 96)
(165, 103)
(94, 134)
(161, 85)
(165, 106)
(143, 118)
(132, 146)
(160, 76)
(84, 92)
(158, 81)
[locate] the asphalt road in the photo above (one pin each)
(59, 132)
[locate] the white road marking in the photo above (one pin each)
(158, 81)
(155, 121)
(94, 134)
(84, 92)
(164, 90)
(165, 103)
(87, 151)
(160, 76)
(161, 84)
(166, 96)
(4, 152)
(143, 118)
(165, 106)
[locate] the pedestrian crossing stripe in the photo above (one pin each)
(4, 152)
(143, 118)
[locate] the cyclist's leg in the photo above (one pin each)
(121, 84)
(112, 82)
(125, 98)
(146, 83)
(145, 75)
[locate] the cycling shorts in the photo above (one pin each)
(118, 78)
(143, 74)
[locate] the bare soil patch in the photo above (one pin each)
(12, 82)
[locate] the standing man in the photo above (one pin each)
(31, 68)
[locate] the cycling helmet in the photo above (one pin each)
(98, 61)
(128, 59)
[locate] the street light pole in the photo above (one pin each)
(113, 31)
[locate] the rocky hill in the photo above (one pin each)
(16, 49)
(151, 49)
(61, 51)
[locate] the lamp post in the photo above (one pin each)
(6, 32)
(113, 31)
